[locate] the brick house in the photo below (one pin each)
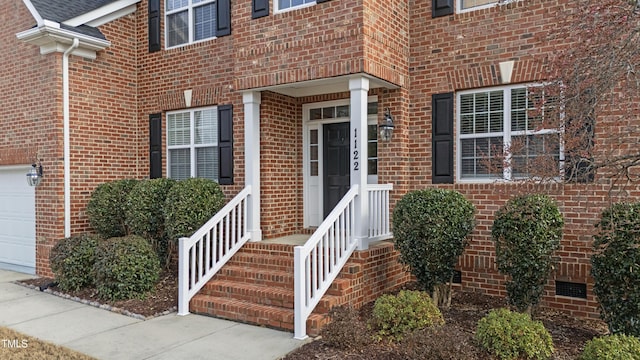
(278, 101)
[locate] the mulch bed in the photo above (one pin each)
(569, 334)
(162, 300)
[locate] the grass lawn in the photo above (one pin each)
(17, 346)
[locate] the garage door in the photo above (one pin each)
(17, 220)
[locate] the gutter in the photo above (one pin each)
(65, 126)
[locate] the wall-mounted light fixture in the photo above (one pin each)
(386, 128)
(34, 176)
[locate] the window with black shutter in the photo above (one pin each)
(187, 22)
(200, 144)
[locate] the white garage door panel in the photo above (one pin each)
(17, 220)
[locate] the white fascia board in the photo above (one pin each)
(34, 12)
(54, 39)
(105, 14)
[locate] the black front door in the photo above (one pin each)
(336, 164)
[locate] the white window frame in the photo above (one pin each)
(192, 146)
(190, 15)
(277, 9)
(485, 6)
(506, 133)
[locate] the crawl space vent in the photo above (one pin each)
(570, 289)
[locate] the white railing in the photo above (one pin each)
(379, 218)
(204, 253)
(318, 262)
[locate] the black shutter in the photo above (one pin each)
(442, 138)
(223, 17)
(154, 25)
(321, 1)
(155, 146)
(260, 8)
(225, 144)
(441, 8)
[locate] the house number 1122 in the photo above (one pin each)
(356, 155)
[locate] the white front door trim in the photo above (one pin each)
(313, 189)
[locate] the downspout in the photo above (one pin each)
(67, 147)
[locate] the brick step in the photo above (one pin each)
(264, 262)
(247, 312)
(267, 295)
(258, 294)
(284, 279)
(254, 275)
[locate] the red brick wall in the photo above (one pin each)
(310, 43)
(104, 123)
(31, 118)
(462, 51)
(280, 165)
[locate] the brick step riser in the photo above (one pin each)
(283, 281)
(268, 296)
(271, 263)
(253, 276)
(277, 318)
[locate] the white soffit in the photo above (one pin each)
(105, 14)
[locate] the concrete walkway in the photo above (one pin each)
(106, 335)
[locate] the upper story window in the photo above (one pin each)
(492, 120)
(192, 144)
(189, 21)
(470, 5)
(291, 4)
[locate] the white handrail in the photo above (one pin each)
(379, 218)
(318, 262)
(204, 253)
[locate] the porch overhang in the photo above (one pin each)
(325, 86)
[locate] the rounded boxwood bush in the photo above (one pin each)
(612, 347)
(430, 229)
(190, 204)
(107, 206)
(510, 335)
(616, 267)
(72, 261)
(145, 212)
(125, 268)
(526, 231)
(394, 316)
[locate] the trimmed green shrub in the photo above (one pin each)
(616, 267)
(394, 316)
(125, 268)
(612, 347)
(107, 206)
(346, 330)
(510, 335)
(190, 204)
(145, 213)
(430, 229)
(526, 231)
(72, 261)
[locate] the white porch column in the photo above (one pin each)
(359, 88)
(251, 102)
